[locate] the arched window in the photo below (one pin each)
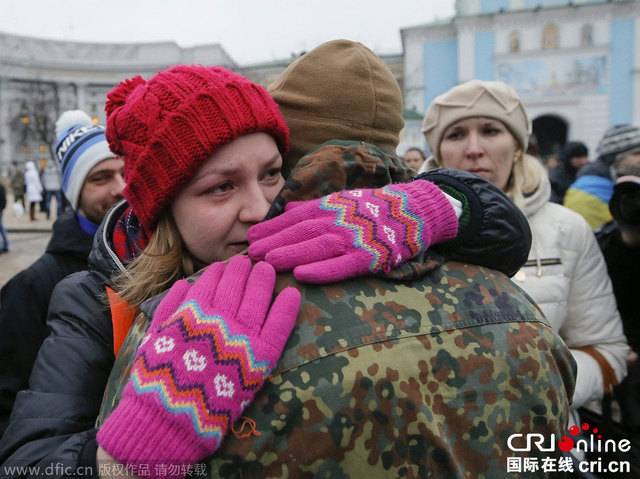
(586, 37)
(550, 37)
(514, 42)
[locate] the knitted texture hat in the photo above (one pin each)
(167, 126)
(80, 146)
(340, 90)
(618, 140)
(475, 98)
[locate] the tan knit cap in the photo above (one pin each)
(340, 90)
(474, 98)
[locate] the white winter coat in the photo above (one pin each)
(32, 183)
(567, 276)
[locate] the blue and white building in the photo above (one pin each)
(574, 63)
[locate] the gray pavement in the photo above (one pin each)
(27, 240)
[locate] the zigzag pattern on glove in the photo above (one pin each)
(227, 347)
(400, 212)
(186, 395)
(363, 224)
(189, 400)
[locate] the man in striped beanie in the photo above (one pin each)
(92, 181)
(91, 175)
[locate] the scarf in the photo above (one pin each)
(130, 238)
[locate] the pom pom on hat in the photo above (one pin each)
(166, 127)
(80, 146)
(71, 118)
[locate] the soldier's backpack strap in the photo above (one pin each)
(122, 315)
(609, 378)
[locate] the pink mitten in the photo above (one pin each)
(208, 351)
(354, 232)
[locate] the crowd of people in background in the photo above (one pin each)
(38, 189)
(383, 269)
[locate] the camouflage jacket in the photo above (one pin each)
(425, 371)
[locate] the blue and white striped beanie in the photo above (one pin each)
(80, 146)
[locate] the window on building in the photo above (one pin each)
(514, 42)
(586, 39)
(550, 37)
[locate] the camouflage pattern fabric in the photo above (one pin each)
(422, 373)
(340, 165)
(423, 378)
(122, 367)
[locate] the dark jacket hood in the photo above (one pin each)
(571, 150)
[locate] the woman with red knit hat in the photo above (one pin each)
(203, 151)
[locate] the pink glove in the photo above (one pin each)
(354, 232)
(206, 354)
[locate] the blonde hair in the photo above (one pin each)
(527, 174)
(164, 261)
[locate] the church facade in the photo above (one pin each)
(575, 64)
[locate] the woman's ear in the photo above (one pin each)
(518, 153)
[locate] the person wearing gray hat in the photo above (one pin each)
(482, 127)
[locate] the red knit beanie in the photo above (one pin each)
(166, 127)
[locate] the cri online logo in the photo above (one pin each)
(522, 442)
(566, 443)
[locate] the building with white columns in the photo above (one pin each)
(39, 79)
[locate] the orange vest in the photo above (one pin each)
(122, 316)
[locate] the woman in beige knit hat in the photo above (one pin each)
(482, 127)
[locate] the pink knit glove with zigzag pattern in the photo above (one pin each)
(354, 232)
(208, 351)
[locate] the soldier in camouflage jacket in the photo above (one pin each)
(492, 232)
(426, 370)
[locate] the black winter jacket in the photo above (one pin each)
(24, 301)
(3, 197)
(53, 421)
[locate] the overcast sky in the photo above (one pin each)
(250, 31)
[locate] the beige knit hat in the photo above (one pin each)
(340, 90)
(491, 99)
